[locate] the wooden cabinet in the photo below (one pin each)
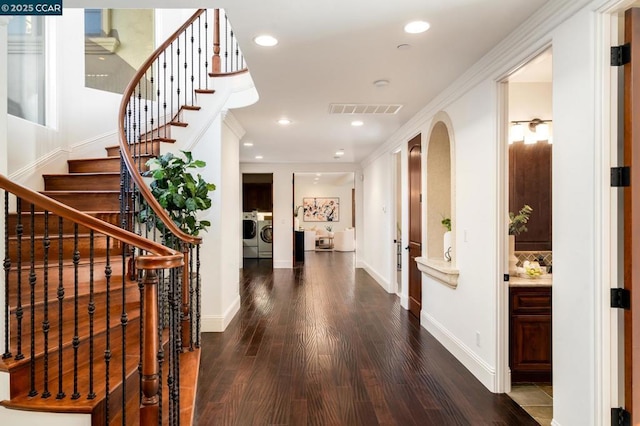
(257, 196)
(530, 334)
(530, 183)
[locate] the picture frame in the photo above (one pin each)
(321, 209)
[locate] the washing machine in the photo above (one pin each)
(250, 235)
(265, 239)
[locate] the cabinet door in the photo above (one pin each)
(530, 183)
(531, 348)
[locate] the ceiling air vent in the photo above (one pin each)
(364, 108)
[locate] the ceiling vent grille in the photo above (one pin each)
(364, 108)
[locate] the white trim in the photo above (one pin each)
(100, 139)
(219, 323)
(54, 156)
(233, 124)
(476, 365)
(378, 278)
(23, 417)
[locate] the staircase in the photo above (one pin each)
(87, 330)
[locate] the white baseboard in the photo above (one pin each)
(22, 417)
(404, 301)
(219, 323)
(386, 285)
(554, 423)
(478, 367)
(23, 175)
(282, 264)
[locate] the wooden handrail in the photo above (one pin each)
(124, 145)
(163, 257)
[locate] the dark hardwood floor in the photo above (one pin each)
(324, 344)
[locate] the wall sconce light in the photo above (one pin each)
(535, 130)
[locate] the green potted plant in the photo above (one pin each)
(181, 194)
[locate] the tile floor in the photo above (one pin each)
(536, 399)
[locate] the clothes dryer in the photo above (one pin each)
(250, 235)
(265, 239)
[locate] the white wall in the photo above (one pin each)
(305, 189)
(455, 316)
(283, 203)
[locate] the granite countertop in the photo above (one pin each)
(543, 281)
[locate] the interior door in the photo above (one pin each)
(415, 226)
(631, 212)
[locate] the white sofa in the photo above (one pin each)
(344, 240)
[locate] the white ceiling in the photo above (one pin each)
(333, 51)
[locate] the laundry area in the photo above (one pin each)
(257, 235)
(257, 216)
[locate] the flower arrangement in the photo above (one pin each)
(517, 222)
(296, 210)
(328, 228)
(446, 222)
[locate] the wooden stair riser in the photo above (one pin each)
(21, 374)
(67, 226)
(81, 182)
(150, 147)
(68, 272)
(100, 248)
(87, 200)
(99, 165)
(132, 295)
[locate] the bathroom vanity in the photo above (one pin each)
(530, 329)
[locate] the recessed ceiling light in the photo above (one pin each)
(265, 40)
(381, 83)
(357, 123)
(258, 157)
(416, 27)
(318, 174)
(248, 144)
(404, 46)
(339, 153)
(284, 121)
(316, 178)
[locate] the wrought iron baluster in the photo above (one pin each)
(107, 351)
(206, 44)
(198, 298)
(226, 43)
(186, 70)
(177, 70)
(191, 300)
(19, 309)
(76, 291)
(7, 270)
(124, 320)
(193, 89)
(32, 286)
(200, 52)
(91, 310)
(60, 296)
(46, 242)
(164, 93)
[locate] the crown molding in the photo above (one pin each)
(523, 43)
(230, 120)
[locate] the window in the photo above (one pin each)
(26, 68)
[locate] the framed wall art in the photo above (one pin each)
(321, 209)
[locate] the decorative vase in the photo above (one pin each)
(513, 260)
(447, 246)
(296, 223)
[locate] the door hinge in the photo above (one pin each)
(620, 55)
(505, 277)
(620, 298)
(620, 417)
(620, 176)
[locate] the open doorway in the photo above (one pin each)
(528, 156)
(257, 217)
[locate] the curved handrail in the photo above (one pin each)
(124, 146)
(163, 257)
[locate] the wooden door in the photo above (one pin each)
(415, 226)
(631, 213)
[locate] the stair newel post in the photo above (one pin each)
(216, 41)
(149, 411)
(185, 315)
(7, 268)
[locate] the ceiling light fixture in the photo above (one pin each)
(403, 46)
(416, 27)
(381, 83)
(248, 144)
(357, 123)
(340, 153)
(284, 121)
(259, 157)
(536, 130)
(265, 40)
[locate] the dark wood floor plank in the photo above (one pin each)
(324, 344)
